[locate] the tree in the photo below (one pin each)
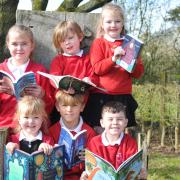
(8, 13)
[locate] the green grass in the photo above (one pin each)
(164, 166)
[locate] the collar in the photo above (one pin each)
(106, 143)
(80, 53)
(22, 136)
(17, 70)
(108, 38)
(76, 129)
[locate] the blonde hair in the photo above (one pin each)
(21, 29)
(61, 31)
(68, 99)
(29, 105)
(114, 9)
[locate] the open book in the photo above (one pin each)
(98, 168)
(18, 85)
(35, 166)
(132, 47)
(73, 145)
(67, 81)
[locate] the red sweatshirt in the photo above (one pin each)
(116, 154)
(76, 171)
(111, 76)
(8, 102)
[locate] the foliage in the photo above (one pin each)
(151, 97)
(164, 166)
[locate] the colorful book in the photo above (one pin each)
(67, 81)
(27, 79)
(36, 166)
(98, 168)
(73, 145)
(132, 47)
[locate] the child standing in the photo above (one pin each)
(71, 60)
(113, 144)
(70, 107)
(20, 43)
(104, 52)
(32, 127)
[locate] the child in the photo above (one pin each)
(20, 43)
(70, 107)
(32, 126)
(113, 144)
(104, 52)
(71, 60)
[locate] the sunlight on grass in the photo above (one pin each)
(164, 167)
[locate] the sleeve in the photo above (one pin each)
(139, 69)
(100, 64)
(48, 140)
(93, 145)
(57, 65)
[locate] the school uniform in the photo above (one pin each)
(8, 102)
(55, 131)
(113, 78)
(117, 153)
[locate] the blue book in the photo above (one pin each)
(36, 166)
(73, 145)
(27, 79)
(98, 168)
(132, 47)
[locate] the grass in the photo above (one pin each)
(164, 166)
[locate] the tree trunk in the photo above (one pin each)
(39, 4)
(149, 137)
(7, 19)
(176, 138)
(163, 135)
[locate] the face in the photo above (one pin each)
(20, 47)
(113, 123)
(30, 124)
(112, 25)
(71, 44)
(70, 114)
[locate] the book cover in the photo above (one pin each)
(98, 168)
(19, 84)
(67, 81)
(132, 47)
(73, 145)
(36, 166)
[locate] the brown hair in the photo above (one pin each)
(32, 105)
(21, 29)
(68, 99)
(113, 107)
(114, 9)
(61, 31)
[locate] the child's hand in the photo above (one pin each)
(118, 52)
(82, 154)
(5, 86)
(84, 176)
(11, 147)
(34, 90)
(46, 148)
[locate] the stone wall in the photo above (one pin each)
(42, 24)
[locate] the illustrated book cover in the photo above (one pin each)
(67, 81)
(98, 168)
(73, 145)
(36, 166)
(27, 79)
(132, 47)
